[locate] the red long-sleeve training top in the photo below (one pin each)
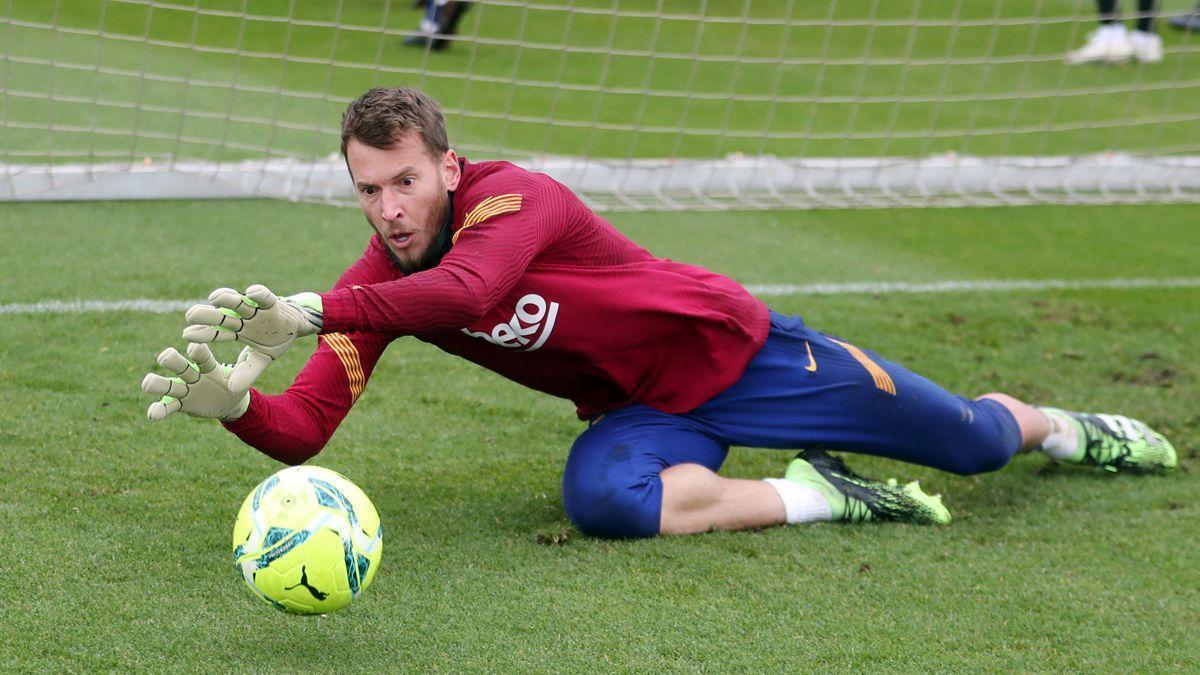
(536, 288)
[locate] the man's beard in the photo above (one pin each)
(433, 251)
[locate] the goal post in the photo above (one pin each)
(636, 104)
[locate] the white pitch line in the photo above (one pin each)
(970, 286)
(766, 290)
(85, 306)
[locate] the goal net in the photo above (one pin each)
(636, 104)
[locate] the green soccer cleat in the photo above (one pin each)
(1118, 443)
(854, 499)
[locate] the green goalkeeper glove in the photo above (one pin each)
(257, 318)
(199, 386)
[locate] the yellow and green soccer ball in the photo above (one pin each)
(307, 540)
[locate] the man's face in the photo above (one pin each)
(402, 191)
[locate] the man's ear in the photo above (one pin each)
(451, 171)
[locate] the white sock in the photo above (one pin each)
(1063, 441)
(801, 503)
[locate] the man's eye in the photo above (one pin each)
(368, 191)
(408, 181)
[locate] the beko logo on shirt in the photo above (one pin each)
(533, 314)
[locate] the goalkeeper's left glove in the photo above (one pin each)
(259, 319)
(199, 386)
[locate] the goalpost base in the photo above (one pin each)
(736, 182)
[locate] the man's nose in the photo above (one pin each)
(391, 204)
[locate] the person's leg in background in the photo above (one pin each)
(1147, 45)
(440, 20)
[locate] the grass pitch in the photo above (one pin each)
(117, 532)
(116, 548)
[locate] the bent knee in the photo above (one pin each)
(986, 441)
(614, 510)
(978, 459)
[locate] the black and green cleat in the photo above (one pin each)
(1117, 443)
(855, 499)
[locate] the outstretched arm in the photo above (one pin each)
(290, 427)
(293, 426)
(501, 236)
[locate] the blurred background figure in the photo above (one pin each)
(440, 20)
(1189, 22)
(1112, 42)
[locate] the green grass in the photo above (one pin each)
(117, 532)
(840, 81)
(116, 552)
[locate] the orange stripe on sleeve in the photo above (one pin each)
(347, 353)
(492, 206)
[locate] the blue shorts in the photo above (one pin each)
(804, 389)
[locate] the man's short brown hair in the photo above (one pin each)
(380, 117)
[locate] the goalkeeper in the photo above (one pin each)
(669, 364)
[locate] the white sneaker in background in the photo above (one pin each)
(1147, 47)
(1109, 43)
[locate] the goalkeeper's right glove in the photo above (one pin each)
(258, 318)
(199, 386)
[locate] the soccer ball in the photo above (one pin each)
(307, 540)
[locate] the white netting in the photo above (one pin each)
(638, 105)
